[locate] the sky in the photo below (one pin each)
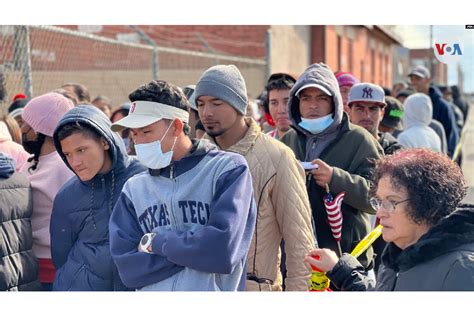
(418, 36)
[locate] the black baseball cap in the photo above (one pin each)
(393, 114)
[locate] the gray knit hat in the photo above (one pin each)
(224, 82)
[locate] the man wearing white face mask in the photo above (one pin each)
(187, 222)
(341, 151)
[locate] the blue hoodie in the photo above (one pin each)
(81, 211)
(443, 113)
(203, 212)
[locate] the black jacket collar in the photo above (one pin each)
(450, 233)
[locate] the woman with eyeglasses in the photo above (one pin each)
(430, 238)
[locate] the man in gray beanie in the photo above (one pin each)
(279, 187)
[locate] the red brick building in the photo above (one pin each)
(366, 51)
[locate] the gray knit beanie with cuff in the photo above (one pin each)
(224, 82)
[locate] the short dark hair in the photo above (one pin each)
(77, 127)
(162, 92)
(281, 83)
(387, 91)
(80, 90)
(435, 184)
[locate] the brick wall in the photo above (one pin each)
(366, 53)
(239, 40)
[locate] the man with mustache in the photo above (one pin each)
(366, 103)
(366, 108)
(341, 155)
(283, 210)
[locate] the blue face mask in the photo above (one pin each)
(151, 154)
(317, 125)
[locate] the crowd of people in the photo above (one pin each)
(199, 188)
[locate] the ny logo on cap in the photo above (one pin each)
(132, 108)
(367, 92)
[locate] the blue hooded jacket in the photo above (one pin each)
(203, 213)
(442, 112)
(81, 212)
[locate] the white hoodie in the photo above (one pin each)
(418, 115)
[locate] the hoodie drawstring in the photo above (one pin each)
(111, 199)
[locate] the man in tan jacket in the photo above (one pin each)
(283, 210)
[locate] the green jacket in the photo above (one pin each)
(352, 154)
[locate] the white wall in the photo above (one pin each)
(290, 48)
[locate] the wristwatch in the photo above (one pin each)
(145, 242)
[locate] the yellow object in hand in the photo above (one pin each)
(368, 240)
(318, 282)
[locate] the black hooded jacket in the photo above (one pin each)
(18, 264)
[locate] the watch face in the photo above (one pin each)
(145, 240)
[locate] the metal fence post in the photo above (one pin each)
(22, 59)
(155, 57)
(268, 54)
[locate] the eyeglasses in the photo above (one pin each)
(388, 206)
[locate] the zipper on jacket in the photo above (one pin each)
(170, 209)
(395, 281)
(172, 171)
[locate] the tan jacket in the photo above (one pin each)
(283, 212)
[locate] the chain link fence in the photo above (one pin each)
(37, 59)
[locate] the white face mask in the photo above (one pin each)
(151, 154)
(317, 125)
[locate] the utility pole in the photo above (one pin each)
(430, 53)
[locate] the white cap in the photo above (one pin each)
(420, 71)
(144, 113)
(313, 85)
(366, 92)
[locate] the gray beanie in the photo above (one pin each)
(224, 82)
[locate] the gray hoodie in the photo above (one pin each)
(318, 74)
(417, 133)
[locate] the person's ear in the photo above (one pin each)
(178, 127)
(104, 143)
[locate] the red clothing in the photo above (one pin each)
(46, 270)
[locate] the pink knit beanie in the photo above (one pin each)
(44, 112)
(346, 79)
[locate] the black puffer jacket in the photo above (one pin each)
(18, 265)
(389, 143)
(441, 260)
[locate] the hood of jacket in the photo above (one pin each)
(91, 116)
(316, 74)
(435, 93)
(451, 232)
(418, 110)
(7, 166)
